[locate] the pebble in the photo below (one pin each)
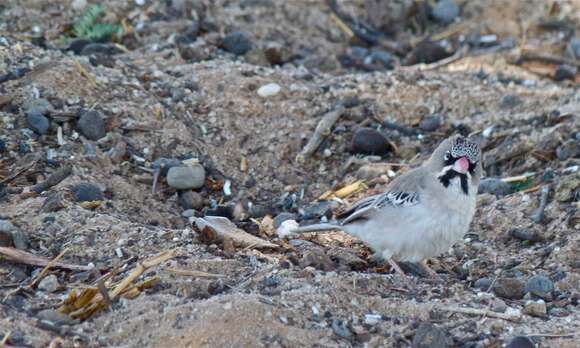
(520, 342)
(565, 191)
(226, 211)
(92, 125)
(269, 90)
(189, 199)
(56, 317)
(482, 283)
(271, 281)
(510, 288)
(494, 186)
(445, 11)
(316, 211)
(186, 178)
(318, 259)
(382, 57)
(286, 228)
(280, 218)
(536, 309)
(540, 286)
(49, 283)
(430, 336)
(37, 122)
(87, 192)
(20, 240)
(100, 49)
(369, 141)
(570, 148)
(237, 43)
(509, 101)
(340, 329)
(38, 106)
(565, 72)
(524, 234)
(188, 213)
(430, 123)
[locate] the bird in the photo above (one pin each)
(421, 213)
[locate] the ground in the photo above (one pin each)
(161, 96)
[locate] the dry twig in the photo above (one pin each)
(46, 268)
(485, 312)
(27, 258)
(322, 131)
(191, 273)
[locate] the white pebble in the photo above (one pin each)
(269, 90)
(286, 228)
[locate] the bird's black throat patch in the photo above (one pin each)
(447, 177)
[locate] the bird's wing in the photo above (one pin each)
(401, 193)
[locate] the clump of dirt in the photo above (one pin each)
(239, 88)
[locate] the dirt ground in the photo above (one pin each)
(162, 96)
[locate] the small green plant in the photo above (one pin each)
(89, 27)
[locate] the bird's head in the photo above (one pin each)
(457, 160)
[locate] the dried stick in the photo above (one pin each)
(539, 214)
(322, 131)
(53, 180)
(20, 256)
(46, 268)
(190, 273)
(486, 312)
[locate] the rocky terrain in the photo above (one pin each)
(125, 126)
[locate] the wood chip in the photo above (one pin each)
(27, 258)
(220, 228)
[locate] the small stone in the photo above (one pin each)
(226, 211)
(286, 228)
(271, 281)
(430, 123)
(49, 283)
(269, 90)
(509, 101)
(56, 317)
(237, 43)
(188, 213)
(316, 211)
(567, 187)
(510, 288)
(482, 284)
(87, 192)
(445, 11)
(520, 342)
(494, 186)
(277, 54)
(536, 309)
(565, 72)
(499, 306)
(369, 141)
(372, 319)
(570, 148)
(188, 199)
(37, 122)
(524, 234)
(38, 106)
(20, 240)
(384, 58)
(317, 259)
(340, 329)
(187, 177)
(540, 286)
(347, 259)
(430, 336)
(92, 125)
(280, 218)
(96, 48)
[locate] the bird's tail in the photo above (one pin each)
(316, 228)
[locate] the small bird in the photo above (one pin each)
(423, 212)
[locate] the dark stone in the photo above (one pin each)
(271, 281)
(2, 146)
(100, 48)
(430, 336)
(520, 342)
(316, 211)
(220, 210)
(482, 284)
(189, 35)
(20, 240)
(445, 11)
(494, 186)
(188, 199)
(510, 288)
(340, 329)
(237, 43)
(569, 149)
(87, 192)
(384, 58)
(13, 74)
(524, 234)
(102, 60)
(38, 106)
(565, 72)
(430, 123)
(37, 122)
(280, 218)
(317, 259)
(509, 101)
(92, 125)
(77, 45)
(427, 52)
(540, 286)
(369, 141)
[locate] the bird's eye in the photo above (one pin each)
(447, 156)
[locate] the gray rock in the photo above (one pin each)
(482, 283)
(382, 57)
(536, 309)
(565, 72)
(237, 43)
(369, 141)
(520, 342)
(317, 210)
(49, 283)
(187, 177)
(87, 192)
(56, 317)
(570, 148)
(430, 123)
(524, 234)
(188, 199)
(445, 11)
(280, 218)
(494, 186)
(37, 122)
(92, 125)
(340, 329)
(540, 286)
(509, 101)
(20, 240)
(38, 106)
(430, 336)
(510, 288)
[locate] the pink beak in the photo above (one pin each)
(461, 165)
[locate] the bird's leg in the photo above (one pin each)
(396, 267)
(427, 269)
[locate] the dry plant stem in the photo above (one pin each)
(539, 214)
(27, 258)
(18, 173)
(571, 334)
(5, 339)
(439, 64)
(322, 131)
(53, 180)
(190, 273)
(485, 312)
(527, 56)
(46, 268)
(396, 267)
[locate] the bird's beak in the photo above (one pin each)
(461, 165)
